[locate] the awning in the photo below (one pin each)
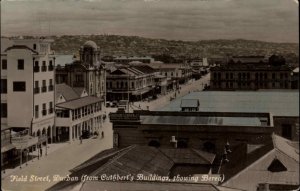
(142, 91)
(7, 148)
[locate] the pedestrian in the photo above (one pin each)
(81, 139)
(41, 151)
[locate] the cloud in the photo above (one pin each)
(270, 20)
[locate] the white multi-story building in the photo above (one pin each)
(77, 113)
(27, 87)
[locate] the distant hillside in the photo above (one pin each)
(139, 46)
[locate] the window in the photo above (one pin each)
(36, 111)
(50, 67)
(44, 87)
(3, 110)
(36, 87)
(50, 107)
(36, 66)
(273, 76)
(20, 64)
(4, 64)
(51, 85)
(19, 86)
(3, 86)
(132, 84)
(44, 69)
(286, 131)
(276, 166)
(44, 111)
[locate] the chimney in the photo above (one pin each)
(173, 142)
(225, 156)
(227, 147)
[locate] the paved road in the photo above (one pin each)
(58, 162)
(162, 101)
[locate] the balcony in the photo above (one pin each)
(44, 112)
(51, 110)
(50, 88)
(50, 68)
(44, 68)
(36, 69)
(36, 90)
(44, 88)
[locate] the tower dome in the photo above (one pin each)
(91, 44)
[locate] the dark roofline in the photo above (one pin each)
(20, 47)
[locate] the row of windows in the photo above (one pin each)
(86, 110)
(44, 86)
(44, 109)
(257, 85)
(43, 68)
(20, 86)
(247, 75)
(20, 65)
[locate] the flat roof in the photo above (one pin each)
(276, 102)
(201, 120)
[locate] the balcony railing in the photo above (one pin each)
(44, 112)
(50, 88)
(50, 68)
(44, 88)
(36, 69)
(37, 90)
(44, 68)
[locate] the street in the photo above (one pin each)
(58, 162)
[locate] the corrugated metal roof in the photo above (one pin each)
(201, 120)
(146, 186)
(279, 103)
(188, 156)
(80, 102)
(189, 103)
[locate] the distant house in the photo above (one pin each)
(190, 105)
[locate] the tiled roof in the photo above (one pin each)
(80, 102)
(68, 92)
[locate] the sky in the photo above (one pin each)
(191, 20)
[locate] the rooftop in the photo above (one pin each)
(189, 103)
(278, 103)
(201, 120)
(80, 102)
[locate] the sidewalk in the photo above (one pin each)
(61, 158)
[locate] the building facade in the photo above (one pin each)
(76, 112)
(27, 96)
(250, 76)
(135, 81)
(27, 80)
(87, 72)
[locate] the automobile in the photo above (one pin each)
(108, 104)
(114, 104)
(85, 134)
